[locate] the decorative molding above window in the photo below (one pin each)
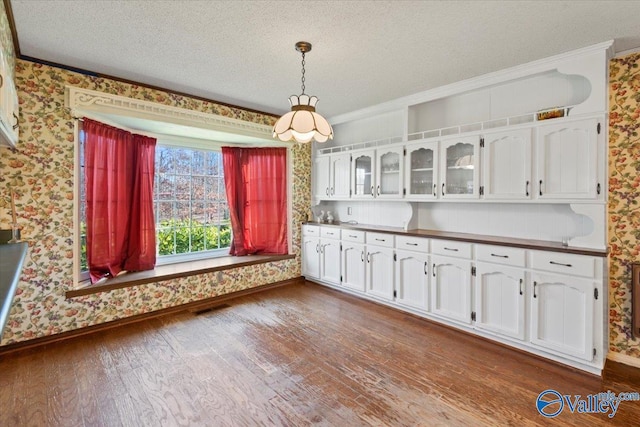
(162, 119)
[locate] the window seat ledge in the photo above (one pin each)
(173, 271)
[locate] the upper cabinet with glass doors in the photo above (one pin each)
(459, 167)
(389, 177)
(363, 174)
(421, 171)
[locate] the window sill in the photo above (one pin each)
(173, 271)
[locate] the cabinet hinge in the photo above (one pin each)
(473, 271)
(473, 316)
(404, 152)
(350, 158)
(598, 128)
(595, 293)
(482, 190)
(341, 246)
(481, 142)
(404, 191)
(341, 279)
(395, 293)
(395, 257)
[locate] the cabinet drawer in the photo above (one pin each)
(575, 265)
(380, 239)
(501, 255)
(330, 232)
(411, 243)
(356, 236)
(310, 230)
(450, 248)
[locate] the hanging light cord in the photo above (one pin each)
(302, 73)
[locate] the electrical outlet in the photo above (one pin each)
(349, 210)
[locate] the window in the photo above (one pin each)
(190, 205)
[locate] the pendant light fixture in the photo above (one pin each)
(302, 123)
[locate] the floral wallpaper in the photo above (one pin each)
(40, 171)
(624, 197)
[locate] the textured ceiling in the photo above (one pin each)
(364, 52)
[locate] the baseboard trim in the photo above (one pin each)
(190, 306)
(624, 359)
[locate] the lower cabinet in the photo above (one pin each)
(562, 314)
(547, 302)
(500, 299)
(451, 288)
(353, 266)
(412, 279)
(330, 261)
(380, 272)
(311, 257)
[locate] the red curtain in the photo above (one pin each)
(256, 186)
(119, 170)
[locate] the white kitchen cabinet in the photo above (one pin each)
(567, 160)
(459, 167)
(9, 106)
(562, 310)
(330, 260)
(332, 176)
(500, 299)
(421, 171)
(380, 272)
(353, 266)
(389, 176)
(311, 251)
(451, 288)
(412, 279)
(506, 165)
(363, 167)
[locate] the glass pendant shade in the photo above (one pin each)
(302, 123)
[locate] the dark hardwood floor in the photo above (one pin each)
(296, 355)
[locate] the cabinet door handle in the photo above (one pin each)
(500, 256)
(535, 284)
(16, 126)
(353, 236)
(434, 190)
(451, 249)
(333, 191)
(526, 189)
(597, 186)
(541, 187)
(381, 240)
(378, 190)
(411, 244)
(425, 268)
(372, 191)
(434, 270)
(559, 263)
(330, 234)
(1, 80)
(521, 292)
(327, 191)
(362, 256)
(368, 257)
(443, 188)
(318, 248)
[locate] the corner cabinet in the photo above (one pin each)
(567, 160)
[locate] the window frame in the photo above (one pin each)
(80, 277)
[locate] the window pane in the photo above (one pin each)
(197, 213)
(197, 239)
(198, 163)
(166, 187)
(197, 188)
(214, 163)
(183, 161)
(164, 160)
(165, 239)
(165, 213)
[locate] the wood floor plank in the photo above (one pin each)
(298, 355)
